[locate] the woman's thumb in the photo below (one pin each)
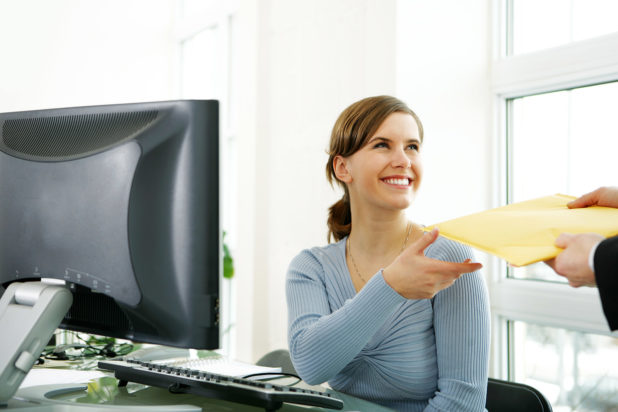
(427, 239)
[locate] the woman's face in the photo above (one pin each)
(387, 171)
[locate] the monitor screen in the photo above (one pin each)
(122, 203)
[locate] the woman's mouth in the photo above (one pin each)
(398, 181)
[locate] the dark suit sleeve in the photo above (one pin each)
(606, 273)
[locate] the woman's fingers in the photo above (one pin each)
(427, 239)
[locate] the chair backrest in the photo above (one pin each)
(505, 396)
(502, 396)
(278, 358)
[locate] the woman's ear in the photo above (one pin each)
(341, 166)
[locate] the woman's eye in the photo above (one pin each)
(414, 146)
(378, 145)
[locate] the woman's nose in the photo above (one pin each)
(401, 159)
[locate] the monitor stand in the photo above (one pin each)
(64, 398)
(30, 312)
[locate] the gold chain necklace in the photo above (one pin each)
(352, 257)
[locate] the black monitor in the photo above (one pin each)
(122, 203)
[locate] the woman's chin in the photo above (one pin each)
(401, 204)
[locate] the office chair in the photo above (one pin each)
(278, 358)
(504, 396)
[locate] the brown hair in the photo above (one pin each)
(355, 125)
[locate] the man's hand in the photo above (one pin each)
(603, 196)
(572, 263)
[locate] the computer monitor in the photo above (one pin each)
(122, 203)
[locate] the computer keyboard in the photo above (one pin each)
(183, 380)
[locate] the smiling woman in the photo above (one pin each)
(387, 168)
(376, 313)
(350, 133)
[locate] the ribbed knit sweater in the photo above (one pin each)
(409, 355)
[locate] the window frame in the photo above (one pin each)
(583, 63)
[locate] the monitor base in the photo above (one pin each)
(69, 398)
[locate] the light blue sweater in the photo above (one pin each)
(409, 355)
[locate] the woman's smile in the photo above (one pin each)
(399, 182)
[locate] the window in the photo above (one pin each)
(564, 365)
(555, 78)
(543, 24)
(561, 142)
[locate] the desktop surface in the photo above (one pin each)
(103, 394)
(137, 397)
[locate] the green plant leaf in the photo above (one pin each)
(228, 261)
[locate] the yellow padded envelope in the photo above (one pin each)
(524, 233)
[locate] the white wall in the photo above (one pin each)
(312, 59)
(70, 52)
(300, 63)
(443, 63)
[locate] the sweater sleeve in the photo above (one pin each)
(322, 342)
(462, 329)
(606, 274)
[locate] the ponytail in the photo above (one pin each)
(339, 219)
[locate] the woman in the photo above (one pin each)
(378, 314)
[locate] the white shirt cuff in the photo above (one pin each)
(591, 256)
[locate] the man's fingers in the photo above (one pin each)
(551, 263)
(586, 200)
(574, 284)
(563, 240)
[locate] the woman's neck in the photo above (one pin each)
(379, 235)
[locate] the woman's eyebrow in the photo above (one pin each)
(386, 139)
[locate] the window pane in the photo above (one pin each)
(562, 142)
(576, 371)
(541, 24)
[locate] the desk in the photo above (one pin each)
(103, 395)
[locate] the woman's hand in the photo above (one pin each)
(415, 276)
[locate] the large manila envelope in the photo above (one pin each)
(523, 233)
